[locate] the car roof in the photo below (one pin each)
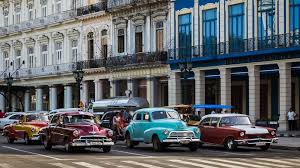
(76, 113)
(65, 110)
(150, 110)
(224, 115)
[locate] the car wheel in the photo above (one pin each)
(27, 140)
(46, 143)
(230, 144)
(128, 141)
(106, 149)
(193, 146)
(68, 148)
(200, 144)
(266, 147)
(157, 145)
(10, 140)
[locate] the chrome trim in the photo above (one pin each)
(255, 141)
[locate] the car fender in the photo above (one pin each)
(129, 130)
(194, 129)
(148, 134)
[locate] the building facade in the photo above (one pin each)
(120, 45)
(237, 52)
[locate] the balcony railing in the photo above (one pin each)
(117, 4)
(237, 46)
(39, 22)
(90, 9)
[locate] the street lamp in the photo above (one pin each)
(9, 80)
(78, 75)
(186, 69)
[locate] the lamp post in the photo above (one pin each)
(9, 80)
(78, 75)
(186, 69)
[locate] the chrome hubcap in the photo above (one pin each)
(229, 144)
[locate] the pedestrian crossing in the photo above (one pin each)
(176, 162)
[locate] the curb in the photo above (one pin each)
(285, 147)
(288, 135)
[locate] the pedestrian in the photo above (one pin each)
(1, 114)
(291, 115)
(213, 112)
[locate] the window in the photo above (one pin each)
(18, 18)
(90, 37)
(139, 39)
(74, 50)
(236, 28)
(18, 59)
(74, 4)
(144, 116)
(209, 32)
(30, 11)
(294, 15)
(58, 51)
(6, 59)
(31, 57)
(159, 36)
(138, 116)
(6, 20)
(214, 121)
(205, 122)
(121, 41)
(104, 32)
(54, 119)
(266, 24)
(58, 6)
(44, 11)
(185, 35)
(44, 55)
(157, 115)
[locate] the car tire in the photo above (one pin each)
(10, 140)
(230, 144)
(46, 143)
(265, 148)
(193, 146)
(157, 145)
(106, 149)
(69, 148)
(200, 144)
(129, 143)
(27, 140)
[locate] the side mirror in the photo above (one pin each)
(147, 117)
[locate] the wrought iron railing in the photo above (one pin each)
(117, 4)
(237, 46)
(86, 10)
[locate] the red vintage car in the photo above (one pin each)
(76, 130)
(232, 130)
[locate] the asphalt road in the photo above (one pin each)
(19, 155)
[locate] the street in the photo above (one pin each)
(19, 155)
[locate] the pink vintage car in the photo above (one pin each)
(232, 130)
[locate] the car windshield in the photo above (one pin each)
(79, 119)
(235, 120)
(36, 117)
(157, 115)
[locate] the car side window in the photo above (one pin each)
(205, 122)
(108, 116)
(138, 116)
(15, 117)
(54, 119)
(214, 121)
(144, 116)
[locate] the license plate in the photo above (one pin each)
(184, 141)
(260, 144)
(95, 143)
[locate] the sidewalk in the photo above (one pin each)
(289, 134)
(287, 143)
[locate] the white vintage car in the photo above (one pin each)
(10, 119)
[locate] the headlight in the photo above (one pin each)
(76, 133)
(166, 132)
(110, 133)
(32, 129)
(242, 134)
(197, 131)
(273, 133)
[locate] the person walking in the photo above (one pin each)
(291, 115)
(1, 114)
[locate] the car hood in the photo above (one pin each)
(171, 123)
(249, 129)
(37, 124)
(87, 129)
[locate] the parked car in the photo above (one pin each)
(161, 127)
(27, 128)
(233, 130)
(10, 119)
(76, 130)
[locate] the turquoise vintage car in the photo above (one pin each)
(161, 127)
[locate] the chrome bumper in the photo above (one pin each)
(256, 141)
(35, 137)
(87, 143)
(181, 140)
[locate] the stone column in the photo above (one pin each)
(285, 93)
(13, 103)
(39, 99)
(68, 96)
(132, 86)
(225, 74)
(200, 89)
(53, 97)
(84, 93)
(27, 101)
(113, 88)
(297, 96)
(174, 88)
(148, 39)
(98, 89)
(152, 91)
(254, 92)
(2, 101)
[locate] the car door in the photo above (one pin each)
(213, 130)
(204, 124)
(145, 124)
(136, 126)
(53, 132)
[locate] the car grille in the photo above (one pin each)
(93, 139)
(181, 134)
(257, 136)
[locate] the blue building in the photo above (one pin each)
(244, 53)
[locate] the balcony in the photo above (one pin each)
(90, 9)
(38, 22)
(119, 4)
(246, 48)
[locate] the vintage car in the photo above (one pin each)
(27, 128)
(232, 130)
(161, 127)
(10, 119)
(76, 130)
